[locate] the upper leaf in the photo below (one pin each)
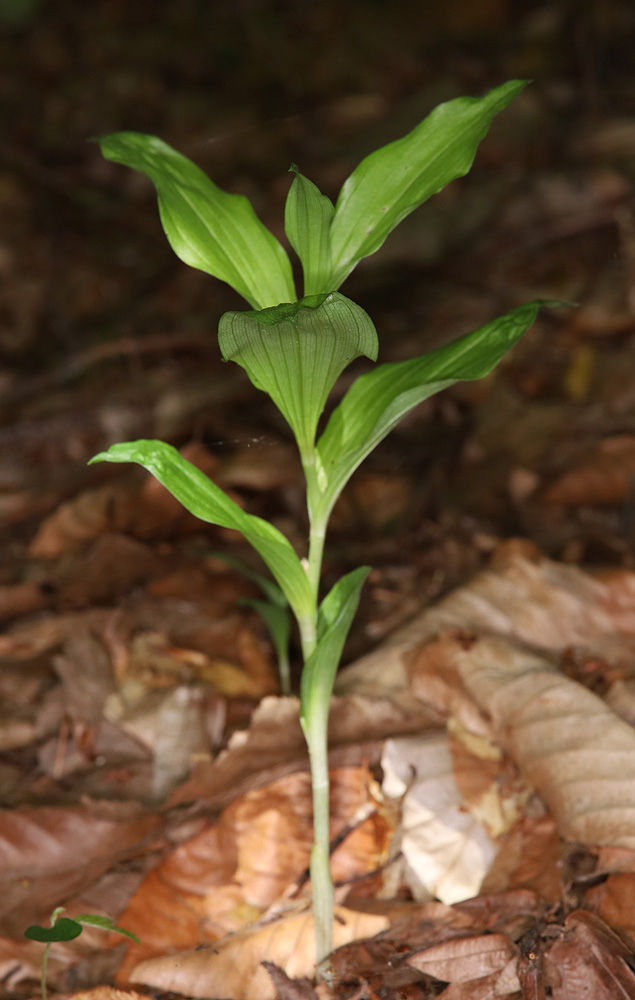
(307, 218)
(206, 500)
(208, 228)
(296, 351)
(394, 180)
(378, 400)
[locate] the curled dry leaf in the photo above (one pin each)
(232, 968)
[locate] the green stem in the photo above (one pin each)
(321, 878)
(316, 733)
(43, 977)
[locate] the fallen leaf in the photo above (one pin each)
(468, 960)
(51, 853)
(232, 969)
(588, 960)
(446, 849)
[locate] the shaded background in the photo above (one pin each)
(105, 335)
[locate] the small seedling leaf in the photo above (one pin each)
(335, 616)
(63, 929)
(105, 924)
(207, 501)
(307, 219)
(378, 400)
(394, 180)
(207, 227)
(296, 351)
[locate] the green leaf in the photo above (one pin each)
(64, 929)
(307, 218)
(208, 228)
(318, 674)
(206, 500)
(106, 924)
(296, 351)
(396, 179)
(378, 400)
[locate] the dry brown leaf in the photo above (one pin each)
(588, 960)
(226, 875)
(567, 743)
(466, 960)
(83, 519)
(107, 993)
(604, 476)
(521, 596)
(50, 854)
(614, 901)
(117, 507)
(232, 969)
(529, 856)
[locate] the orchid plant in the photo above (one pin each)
(295, 350)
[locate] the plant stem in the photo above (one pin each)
(321, 878)
(43, 976)
(316, 733)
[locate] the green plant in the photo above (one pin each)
(66, 929)
(296, 349)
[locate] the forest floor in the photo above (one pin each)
(482, 733)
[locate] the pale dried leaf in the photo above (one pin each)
(232, 969)
(568, 744)
(447, 850)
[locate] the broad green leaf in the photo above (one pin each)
(206, 500)
(105, 923)
(307, 218)
(394, 180)
(378, 400)
(296, 351)
(63, 929)
(318, 674)
(208, 228)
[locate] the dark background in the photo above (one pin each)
(105, 335)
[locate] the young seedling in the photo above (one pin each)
(295, 349)
(66, 929)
